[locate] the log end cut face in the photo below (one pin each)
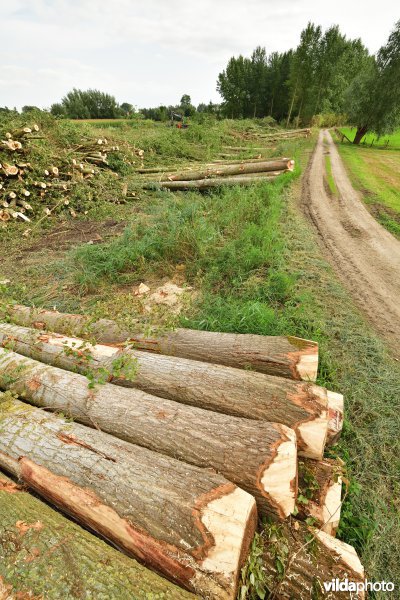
(279, 478)
(336, 415)
(306, 357)
(312, 436)
(231, 520)
(332, 506)
(307, 366)
(346, 554)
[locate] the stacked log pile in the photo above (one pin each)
(28, 190)
(169, 446)
(235, 173)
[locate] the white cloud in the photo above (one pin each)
(153, 51)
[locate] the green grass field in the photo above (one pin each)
(375, 171)
(386, 141)
(256, 267)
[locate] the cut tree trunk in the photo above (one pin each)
(320, 492)
(10, 170)
(205, 184)
(45, 555)
(361, 131)
(275, 355)
(259, 457)
(247, 148)
(304, 407)
(240, 169)
(189, 524)
(238, 161)
(312, 557)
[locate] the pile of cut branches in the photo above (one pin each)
(29, 188)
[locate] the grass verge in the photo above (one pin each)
(329, 176)
(371, 139)
(376, 174)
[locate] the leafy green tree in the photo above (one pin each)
(126, 109)
(89, 104)
(27, 109)
(303, 69)
(373, 98)
(58, 110)
(186, 106)
(232, 87)
(257, 81)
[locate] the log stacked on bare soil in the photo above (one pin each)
(45, 555)
(298, 560)
(259, 457)
(189, 524)
(276, 355)
(302, 406)
(320, 492)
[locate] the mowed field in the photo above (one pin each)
(375, 171)
(254, 265)
(386, 141)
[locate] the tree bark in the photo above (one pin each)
(275, 355)
(189, 524)
(238, 161)
(259, 457)
(304, 407)
(313, 557)
(286, 134)
(241, 169)
(361, 131)
(44, 554)
(205, 184)
(320, 492)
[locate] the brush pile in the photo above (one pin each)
(176, 443)
(29, 189)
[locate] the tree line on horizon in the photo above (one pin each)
(327, 75)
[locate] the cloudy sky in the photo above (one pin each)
(150, 52)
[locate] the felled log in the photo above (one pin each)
(229, 170)
(259, 457)
(45, 555)
(238, 161)
(11, 145)
(151, 170)
(247, 148)
(302, 406)
(320, 492)
(310, 558)
(9, 170)
(289, 133)
(283, 356)
(20, 133)
(189, 524)
(204, 184)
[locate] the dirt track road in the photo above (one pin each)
(365, 256)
